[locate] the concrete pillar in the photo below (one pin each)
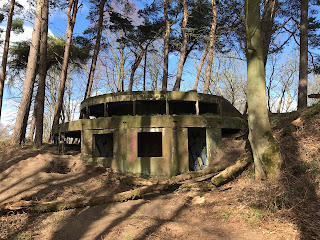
(214, 140)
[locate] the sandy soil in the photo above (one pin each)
(190, 211)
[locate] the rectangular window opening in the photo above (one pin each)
(208, 108)
(182, 107)
(150, 144)
(103, 145)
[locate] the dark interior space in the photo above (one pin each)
(150, 144)
(150, 107)
(120, 108)
(96, 110)
(208, 108)
(103, 145)
(185, 107)
(197, 149)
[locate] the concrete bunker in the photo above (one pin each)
(152, 133)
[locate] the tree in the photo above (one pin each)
(265, 150)
(39, 103)
(166, 47)
(5, 52)
(303, 66)
(211, 44)
(183, 46)
(96, 49)
(25, 103)
(71, 17)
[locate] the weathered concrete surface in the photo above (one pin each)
(173, 128)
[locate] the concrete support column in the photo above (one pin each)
(105, 110)
(214, 140)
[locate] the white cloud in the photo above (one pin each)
(285, 102)
(9, 112)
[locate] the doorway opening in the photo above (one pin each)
(197, 147)
(104, 145)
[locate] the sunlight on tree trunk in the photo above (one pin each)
(166, 48)
(42, 75)
(266, 153)
(199, 68)
(303, 68)
(96, 50)
(73, 6)
(183, 47)
(5, 53)
(211, 44)
(25, 102)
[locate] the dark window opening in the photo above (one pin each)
(150, 107)
(197, 149)
(104, 145)
(208, 108)
(150, 144)
(96, 110)
(179, 107)
(120, 108)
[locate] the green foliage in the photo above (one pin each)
(19, 52)
(17, 25)
(313, 111)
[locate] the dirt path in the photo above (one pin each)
(188, 212)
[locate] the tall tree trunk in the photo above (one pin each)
(267, 20)
(211, 44)
(145, 70)
(5, 53)
(265, 150)
(303, 66)
(166, 48)
(42, 75)
(73, 6)
(134, 68)
(203, 57)
(183, 46)
(96, 50)
(33, 123)
(121, 66)
(25, 102)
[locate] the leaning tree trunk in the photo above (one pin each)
(25, 102)
(73, 6)
(96, 50)
(211, 43)
(267, 21)
(134, 68)
(266, 154)
(203, 57)
(166, 48)
(303, 66)
(183, 46)
(42, 75)
(5, 53)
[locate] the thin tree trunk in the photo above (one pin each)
(145, 70)
(73, 6)
(134, 68)
(25, 102)
(211, 44)
(266, 154)
(303, 66)
(121, 66)
(166, 48)
(33, 123)
(183, 46)
(42, 75)
(267, 20)
(5, 53)
(96, 50)
(203, 57)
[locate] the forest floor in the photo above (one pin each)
(241, 209)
